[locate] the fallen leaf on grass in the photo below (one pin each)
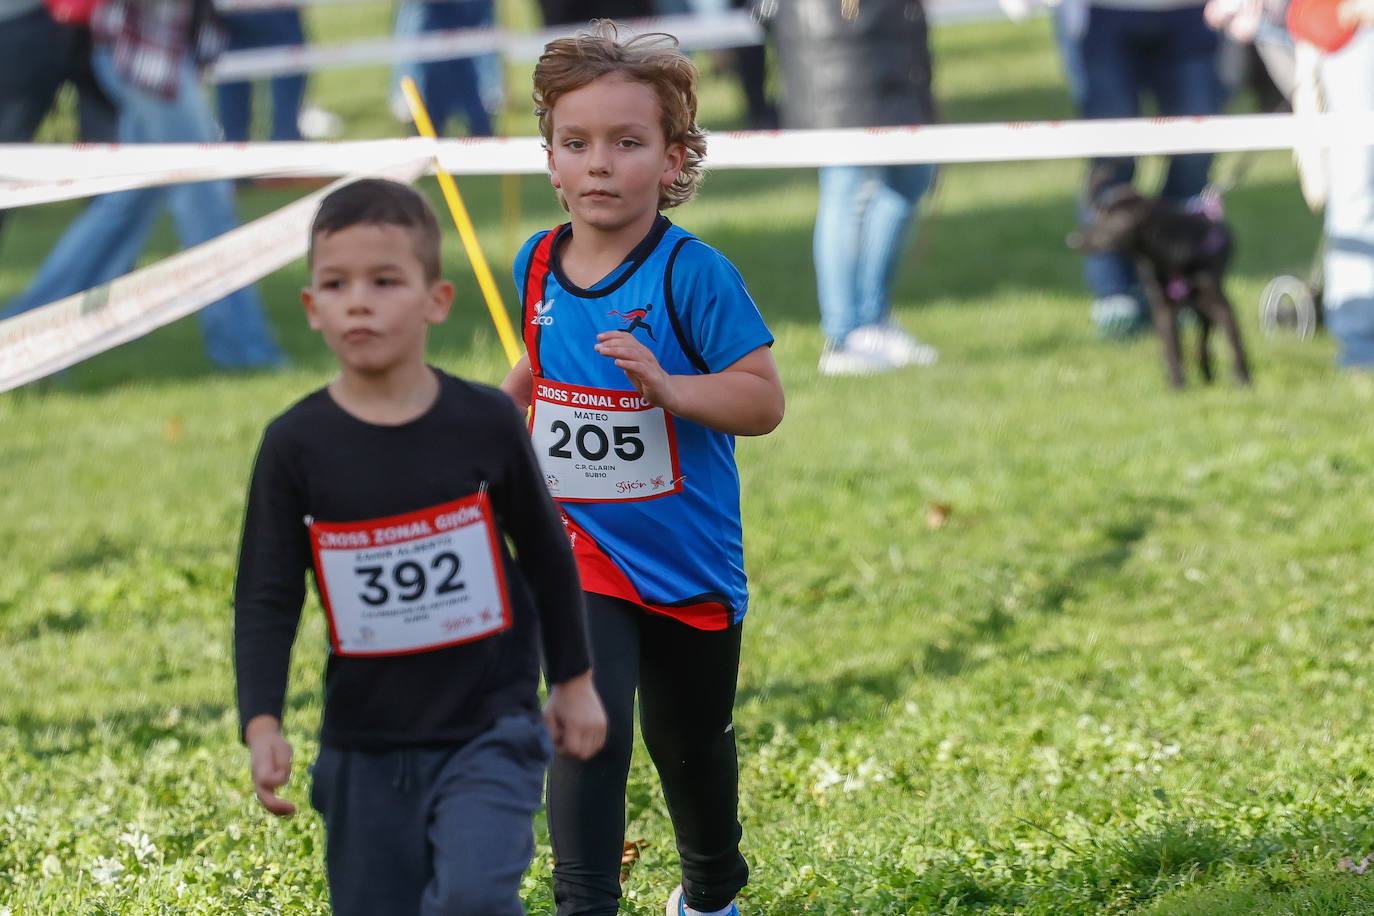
(172, 431)
(629, 855)
(937, 514)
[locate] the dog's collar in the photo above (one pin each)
(1215, 238)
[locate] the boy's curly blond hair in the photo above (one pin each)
(653, 59)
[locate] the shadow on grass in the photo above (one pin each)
(867, 693)
(42, 737)
(855, 694)
(65, 623)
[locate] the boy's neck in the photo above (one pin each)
(387, 399)
(593, 253)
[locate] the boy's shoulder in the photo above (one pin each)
(467, 399)
(317, 411)
(305, 412)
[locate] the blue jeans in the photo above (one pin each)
(1347, 78)
(270, 29)
(454, 87)
(1170, 53)
(1067, 40)
(861, 226)
(433, 831)
(106, 239)
(410, 17)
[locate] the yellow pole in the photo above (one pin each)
(465, 230)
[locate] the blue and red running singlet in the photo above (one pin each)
(651, 501)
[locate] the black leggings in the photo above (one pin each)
(686, 680)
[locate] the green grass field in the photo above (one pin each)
(1128, 674)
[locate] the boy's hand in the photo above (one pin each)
(575, 717)
(640, 366)
(271, 763)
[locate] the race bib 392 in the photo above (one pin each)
(414, 582)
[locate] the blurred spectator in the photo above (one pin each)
(858, 64)
(1347, 85)
(580, 12)
(455, 87)
(409, 19)
(146, 55)
(1120, 49)
(263, 29)
(37, 57)
(748, 63)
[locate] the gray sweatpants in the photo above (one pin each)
(433, 832)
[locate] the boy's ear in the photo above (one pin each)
(675, 159)
(553, 171)
(311, 313)
(440, 301)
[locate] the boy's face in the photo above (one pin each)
(608, 153)
(369, 299)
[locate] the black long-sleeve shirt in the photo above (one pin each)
(318, 461)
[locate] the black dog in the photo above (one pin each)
(1181, 256)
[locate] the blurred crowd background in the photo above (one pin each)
(144, 71)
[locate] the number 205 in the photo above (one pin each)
(592, 444)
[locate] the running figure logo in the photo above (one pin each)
(635, 319)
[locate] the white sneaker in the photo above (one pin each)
(677, 905)
(845, 360)
(892, 343)
(400, 108)
(315, 123)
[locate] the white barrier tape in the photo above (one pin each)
(44, 173)
(695, 33)
(1018, 141)
(52, 337)
(34, 174)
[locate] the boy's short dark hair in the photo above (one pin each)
(653, 59)
(380, 202)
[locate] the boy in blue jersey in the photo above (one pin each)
(645, 357)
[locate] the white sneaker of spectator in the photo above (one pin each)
(844, 360)
(892, 343)
(400, 108)
(315, 123)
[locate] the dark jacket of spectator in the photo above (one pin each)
(867, 62)
(580, 12)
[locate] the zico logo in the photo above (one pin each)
(541, 313)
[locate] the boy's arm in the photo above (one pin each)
(575, 717)
(268, 594)
(743, 399)
(519, 383)
(271, 762)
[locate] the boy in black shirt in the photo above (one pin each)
(398, 486)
